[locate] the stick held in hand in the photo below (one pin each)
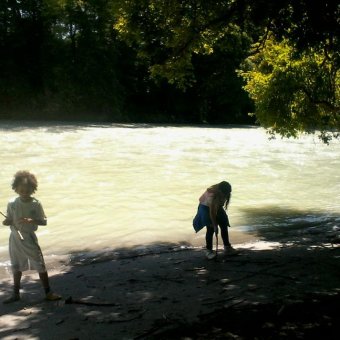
(18, 231)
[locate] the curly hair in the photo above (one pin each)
(26, 178)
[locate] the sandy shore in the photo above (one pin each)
(170, 292)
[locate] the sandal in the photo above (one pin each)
(52, 297)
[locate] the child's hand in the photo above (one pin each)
(26, 220)
(7, 222)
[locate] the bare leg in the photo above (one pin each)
(50, 296)
(16, 289)
(17, 279)
(45, 282)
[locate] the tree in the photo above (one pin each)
(59, 58)
(294, 92)
(180, 29)
(63, 56)
(170, 33)
(200, 62)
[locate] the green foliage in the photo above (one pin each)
(182, 28)
(167, 34)
(58, 59)
(184, 44)
(171, 60)
(62, 58)
(293, 84)
(294, 92)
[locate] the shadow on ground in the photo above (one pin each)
(285, 225)
(291, 291)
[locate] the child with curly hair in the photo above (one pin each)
(24, 215)
(211, 213)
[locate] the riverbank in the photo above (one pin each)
(175, 293)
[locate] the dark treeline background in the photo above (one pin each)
(63, 60)
(173, 61)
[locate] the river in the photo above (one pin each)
(113, 186)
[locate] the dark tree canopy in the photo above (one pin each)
(166, 31)
(174, 60)
(169, 34)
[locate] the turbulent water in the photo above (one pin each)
(115, 186)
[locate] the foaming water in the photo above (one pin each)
(114, 186)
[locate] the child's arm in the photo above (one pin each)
(7, 221)
(213, 214)
(214, 206)
(41, 217)
(28, 220)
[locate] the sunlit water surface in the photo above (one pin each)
(116, 186)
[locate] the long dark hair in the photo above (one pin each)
(222, 192)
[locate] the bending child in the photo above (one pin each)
(211, 213)
(24, 215)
